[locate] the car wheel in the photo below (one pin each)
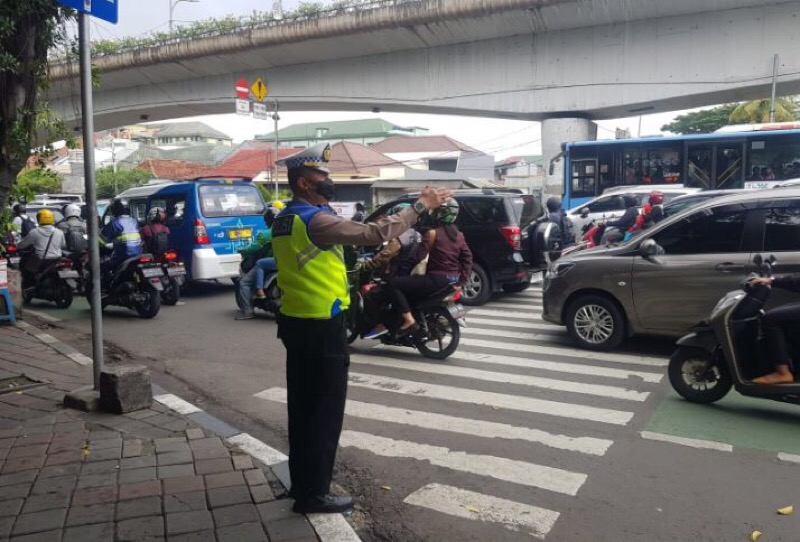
(596, 323)
(478, 288)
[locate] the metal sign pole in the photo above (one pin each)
(275, 117)
(775, 66)
(91, 194)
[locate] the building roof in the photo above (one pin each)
(187, 129)
(353, 159)
(206, 153)
(533, 159)
(341, 129)
(421, 144)
(247, 162)
(172, 169)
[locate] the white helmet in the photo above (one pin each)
(72, 210)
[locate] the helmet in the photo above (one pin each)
(656, 197)
(20, 208)
(278, 204)
(630, 201)
(120, 207)
(553, 204)
(398, 208)
(447, 213)
(45, 217)
(72, 210)
(157, 215)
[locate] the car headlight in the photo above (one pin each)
(558, 269)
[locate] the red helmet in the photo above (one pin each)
(656, 197)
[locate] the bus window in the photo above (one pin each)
(583, 179)
(632, 172)
(699, 167)
(661, 165)
(730, 166)
(777, 159)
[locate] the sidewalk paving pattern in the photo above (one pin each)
(147, 475)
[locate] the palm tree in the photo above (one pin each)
(757, 111)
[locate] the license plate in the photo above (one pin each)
(68, 274)
(176, 271)
(150, 272)
(14, 260)
(240, 234)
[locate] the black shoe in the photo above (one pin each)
(326, 504)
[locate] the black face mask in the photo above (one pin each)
(327, 189)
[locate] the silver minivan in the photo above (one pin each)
(668, 278)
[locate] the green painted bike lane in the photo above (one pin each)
(742, 422)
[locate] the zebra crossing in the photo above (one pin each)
(517, 417)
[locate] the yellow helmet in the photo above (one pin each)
(278, 204)
(45, 217)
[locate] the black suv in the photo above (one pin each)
(492, 221)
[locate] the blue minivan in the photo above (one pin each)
(210, 220)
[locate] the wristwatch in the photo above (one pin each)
(419, 207)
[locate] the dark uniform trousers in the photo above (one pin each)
(317, 363)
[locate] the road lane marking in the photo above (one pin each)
(258, 449)
(514, 306)
(544, 326)
(464, 504)
(511, 315)
(176, 403)
(566, 352)
(464, 426)
(508, 470)
(499, 400)
(790, 458)
(597, 390)
(506, 334)
(556, 366)
(691, 442)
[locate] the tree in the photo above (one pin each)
(28, 30)
(758, 111)
(704, 121)
(39, 180)
(110, 183)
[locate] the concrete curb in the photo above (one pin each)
(329, 527)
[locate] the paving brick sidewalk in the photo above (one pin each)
(148, 475)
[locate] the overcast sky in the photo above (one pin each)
(499, 137)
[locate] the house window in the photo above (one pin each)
(443, 165)
(321, 132)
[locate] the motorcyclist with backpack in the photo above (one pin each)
(47, 244)
(155, 234)
(557, 216)
(21, 221)
(616, 229)
(74, 229)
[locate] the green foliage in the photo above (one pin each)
(306, 9)
(758, 111)
(39, 181)
(268, 192)
(109, 183)
(704, 121)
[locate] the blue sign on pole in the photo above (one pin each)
(102, 9)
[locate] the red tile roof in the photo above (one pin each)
(248, 162)
(417, 144)
(172, 169)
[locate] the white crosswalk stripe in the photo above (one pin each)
(509, 470)
(499, 400)
(598, 390)
(549, 444)
(474, 506)
(464, 426)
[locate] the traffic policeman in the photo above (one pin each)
(307, 241)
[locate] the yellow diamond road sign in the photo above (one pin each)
(259, 89)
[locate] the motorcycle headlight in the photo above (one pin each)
(559, 269)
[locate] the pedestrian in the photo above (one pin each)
(307, 240)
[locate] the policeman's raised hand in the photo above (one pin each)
(432, 198)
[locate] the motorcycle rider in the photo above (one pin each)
(655, 211)
(155, 234)
(616, 229)
(123, 233)
(260, 250)
(74, 229)
(48, 244)
(557, 216)
(778, 324)
(22, 222)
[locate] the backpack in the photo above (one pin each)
(159, 243)
(567, 230)
(76, 239)
(27, 226)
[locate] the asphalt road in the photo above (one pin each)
(518, 435)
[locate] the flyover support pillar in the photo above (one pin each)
(555, 132)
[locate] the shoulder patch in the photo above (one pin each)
(283, 225)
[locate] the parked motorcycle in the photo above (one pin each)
(439, 317)
(728, 349)
(12, 255)
(175, 277)
(271, 303)
(136, 284)
(55, 282)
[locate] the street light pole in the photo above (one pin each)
(276, 118)
(172, 4)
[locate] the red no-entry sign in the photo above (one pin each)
(242, 88)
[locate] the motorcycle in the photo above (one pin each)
(272, 300)
(175, 277)
(439, 316)
(12, 256)
(591, 235)
(136, 284)
(728, 349)
(55, 282)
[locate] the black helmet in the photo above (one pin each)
(630, 200)
(120, 206)
(553, 204)
(20, 208)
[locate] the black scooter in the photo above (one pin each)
(136, 284)
(728, 349)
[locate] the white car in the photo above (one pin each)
(609, 205)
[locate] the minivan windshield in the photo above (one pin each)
(230, 200)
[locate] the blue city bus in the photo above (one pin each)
(759, 158)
